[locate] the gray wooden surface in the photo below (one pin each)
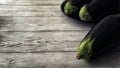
(35, 34)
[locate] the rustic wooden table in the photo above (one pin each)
(35, 34)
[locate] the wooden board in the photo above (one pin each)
(40, 41)
(36, 34)
(40, 23)
(31, 2)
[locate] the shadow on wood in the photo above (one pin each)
(2, 22)
(81, 23)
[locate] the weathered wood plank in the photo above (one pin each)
(41, 23)
(56, 60)
(30, 11)
(40, 41)
(30, 8)
(42, 11)
(31, 2)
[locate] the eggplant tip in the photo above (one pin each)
(78, 56)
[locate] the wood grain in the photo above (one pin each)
(41, 11)
(40, 23)
(40, 41)
(55, 60)
(31, 2)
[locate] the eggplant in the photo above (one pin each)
(99, 38)
(84, 14)
(71, 7)
(69, 10)
(79, 3)
(75, 9)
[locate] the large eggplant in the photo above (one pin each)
(100, 37)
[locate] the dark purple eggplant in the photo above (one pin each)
(75, 14)
(100, 37)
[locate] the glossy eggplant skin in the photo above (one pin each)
(79, 3)
(98, 9)
(105, 33)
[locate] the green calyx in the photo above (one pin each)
(85, 48)
(70, 9)
(84, 14)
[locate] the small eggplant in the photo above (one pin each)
(71, 7)
(69, 10)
